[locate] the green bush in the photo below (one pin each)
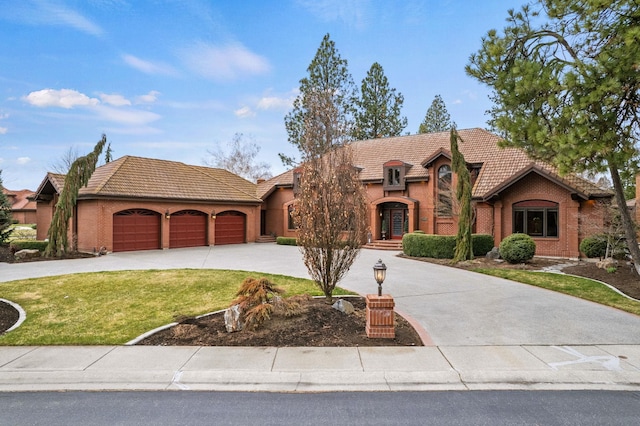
(482, 244)
(419, 244)
(517, 248)
(594, 246)
(17, 245)
(287, 241)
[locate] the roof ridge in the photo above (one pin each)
(201, 169)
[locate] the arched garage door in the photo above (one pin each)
(188, 228)
(230, 228)
(136, 230)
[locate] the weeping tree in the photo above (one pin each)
(464, 249)
(5, 215)
(78, 176)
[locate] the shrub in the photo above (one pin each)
(419, 244)
(18, 245)
(594, 246)
(482, 244)
(287, 241)
(424, 245)
(517, 248)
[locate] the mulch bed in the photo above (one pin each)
(320, 325)
(8, 316)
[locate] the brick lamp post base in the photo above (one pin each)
(380, 317)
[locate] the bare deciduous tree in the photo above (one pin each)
(240, 158)
(63, 164)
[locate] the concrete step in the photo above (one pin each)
(266, 239)
(384, 245)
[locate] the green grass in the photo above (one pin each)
(111, 308)
(583, 288)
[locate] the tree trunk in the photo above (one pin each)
(627, 222)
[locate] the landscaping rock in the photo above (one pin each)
(343, 306)
(27, 254)
(494, 254)
(233, 318)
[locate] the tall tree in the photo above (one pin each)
(464, 248)
(330, 206)
(5, 214)
(566, 87)
(78, 176)
(330, 83)
(108, 154)
(240, 158)
(378, 107)
(437, 118)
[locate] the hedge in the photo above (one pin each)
(17, 245)
(287, 241)
(442, 246)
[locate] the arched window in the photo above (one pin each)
(444, 207)
(538, 218)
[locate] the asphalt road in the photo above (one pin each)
(354, 408)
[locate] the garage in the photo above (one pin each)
(188, 228)
(230, 228)
(136, 229)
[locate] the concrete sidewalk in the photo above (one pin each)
(485, 333)
(271, 369)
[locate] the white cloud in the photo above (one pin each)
(457, 102)
(228, 62)
(3, 130)
(48, 12)
(115, 99)
(65, 98)
(149, 67)
(23, 160)
(244, 112)
(351, 12)
(274, 102)
(149, 98)
(127, 116)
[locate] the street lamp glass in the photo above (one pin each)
(379, 271)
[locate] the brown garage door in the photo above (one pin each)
(188, 228)
(230, 228)
(136, 230)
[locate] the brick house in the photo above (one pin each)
(135, 203)
(409, 184)
(23, 208)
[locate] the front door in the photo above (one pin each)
(397, 223)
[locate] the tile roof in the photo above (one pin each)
(138, 177)
(20, 199)
(500, 166)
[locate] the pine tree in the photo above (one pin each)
(565, 87)
(464, 249)
(78, 176)
(5, 214)
(329, 87)
(378, 108)
(437, 118)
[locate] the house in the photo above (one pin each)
(23, 209)
(136, 203)
(410, 186)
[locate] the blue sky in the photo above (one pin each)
(173, 79)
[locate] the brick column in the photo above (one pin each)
(380, 316)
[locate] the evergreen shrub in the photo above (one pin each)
(594, 246)
(287, 241)
(517, 248)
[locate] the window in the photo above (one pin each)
(290, 223)
(393, 178)
(445, 205)
(537, 218)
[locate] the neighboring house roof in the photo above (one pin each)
(147, 178)
(20, 199)
(500, 167)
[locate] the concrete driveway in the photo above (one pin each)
(456, 307)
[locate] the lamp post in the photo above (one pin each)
(379, 273)
(380, 317)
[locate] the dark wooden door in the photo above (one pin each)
(230, 228)
(397, 224)
(188, 228)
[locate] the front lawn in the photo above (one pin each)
(583, 288)
(111, 308)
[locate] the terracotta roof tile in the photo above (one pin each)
(498, 165)
(137, 177)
